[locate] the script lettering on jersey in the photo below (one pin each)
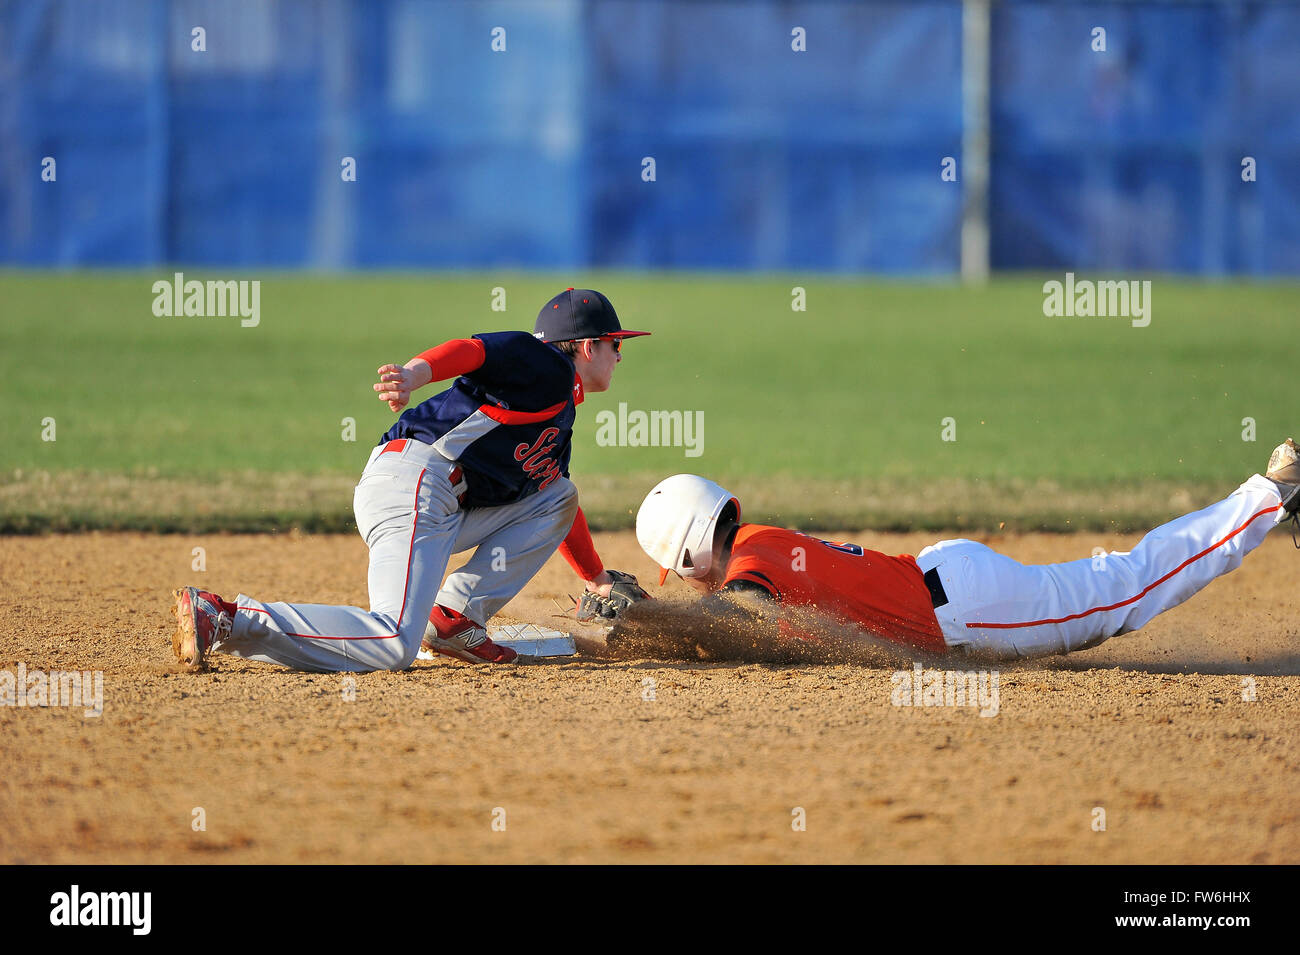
(534, 457)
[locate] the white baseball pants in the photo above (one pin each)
(407, 512)
(998, 607)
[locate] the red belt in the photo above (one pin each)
(456, 475)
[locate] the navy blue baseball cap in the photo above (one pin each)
(576, 314)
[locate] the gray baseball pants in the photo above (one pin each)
(1001, 608)
(408, 515)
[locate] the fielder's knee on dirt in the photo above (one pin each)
(396, 652)
(404, 653)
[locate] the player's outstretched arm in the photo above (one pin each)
(461, 356)
(396, 382)
(580, 551)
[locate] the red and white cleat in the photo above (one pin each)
(200, 622)
(455, 635)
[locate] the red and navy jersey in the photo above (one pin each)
(509, 423)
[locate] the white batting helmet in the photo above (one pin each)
(676, 522)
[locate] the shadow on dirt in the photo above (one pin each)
(753, 631)
(691, 632)
(1275, 665)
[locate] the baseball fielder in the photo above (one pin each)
(485, 465)
(959, 595)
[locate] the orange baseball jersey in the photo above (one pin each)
(885, 595)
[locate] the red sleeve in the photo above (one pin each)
(452, 359)
(580, 551)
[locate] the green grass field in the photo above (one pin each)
(827, 417)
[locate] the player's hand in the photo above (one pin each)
(601, 585)
(620, 593)
(395, 385)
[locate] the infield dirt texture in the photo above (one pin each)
(417, 766)
(119, 419)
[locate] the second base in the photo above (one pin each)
(526, 639)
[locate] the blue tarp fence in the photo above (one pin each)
(533, 153)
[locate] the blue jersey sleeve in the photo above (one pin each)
(521, 372)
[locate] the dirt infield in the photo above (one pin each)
(631, 760)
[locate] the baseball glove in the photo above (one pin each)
(623, 594)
